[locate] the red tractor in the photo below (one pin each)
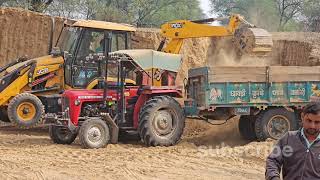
(97, 116)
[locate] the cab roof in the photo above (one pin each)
(103, 25)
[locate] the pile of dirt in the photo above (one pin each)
(146, 38)
(25, 33)
(296, 48)
(202, 133)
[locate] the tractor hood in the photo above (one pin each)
(147, 59)
(41, 61)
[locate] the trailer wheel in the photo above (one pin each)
(26, 110)
(246, 127)
(274, 123)
(161, 121)
(4, 115)
(94, 133)
(61, 135)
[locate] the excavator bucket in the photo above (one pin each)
(253, 41)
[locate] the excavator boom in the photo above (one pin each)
(248, 39)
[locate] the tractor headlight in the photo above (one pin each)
(77, 102)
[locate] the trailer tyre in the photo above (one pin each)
(61, 135)
(274, 123)
(94, 133)
(246, 127)
(26, 110)
(161, 121)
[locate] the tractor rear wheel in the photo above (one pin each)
(61, 135)
(161, 121)
(94, 133)
(274, 123)
(246, 127)
(26, 110)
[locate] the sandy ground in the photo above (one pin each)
(202, 154)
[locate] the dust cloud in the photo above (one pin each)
(222, 52)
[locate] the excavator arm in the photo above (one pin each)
(179, 30)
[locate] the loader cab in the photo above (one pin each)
(84, 43)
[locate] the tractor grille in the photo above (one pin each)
(65, 108)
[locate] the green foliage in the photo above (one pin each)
(138, 12)
(33, 5)
(311, 12)
(281, 15)
(178, 9)
(151, 13)
(262, 13)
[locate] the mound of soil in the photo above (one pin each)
(25, 33)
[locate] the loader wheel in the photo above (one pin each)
(61, 135)
(274, 123)
(246, 127)
(94, 133)
(4, 114)
(161, 121)
(26, 110)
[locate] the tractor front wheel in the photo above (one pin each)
(61, 135)
(161, 121)
(94, 133)
(26, 110)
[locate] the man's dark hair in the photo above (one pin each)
(312, 108)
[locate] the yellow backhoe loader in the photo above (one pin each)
(30, 87)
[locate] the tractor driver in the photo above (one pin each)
(101, 47)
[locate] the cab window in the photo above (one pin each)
(119, 41)
(92, 42)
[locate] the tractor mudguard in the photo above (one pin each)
(113, 126)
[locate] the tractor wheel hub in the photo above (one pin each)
(163, 122)
(94, 134)
(26, 111)
(278, 126)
